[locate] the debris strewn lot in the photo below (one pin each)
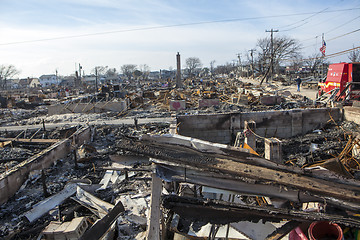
(123, 178)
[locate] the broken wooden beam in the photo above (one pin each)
(153, 229)
(26, 140)
(101, 227)
(221, 212)
(225, 182)
(283, 230)
(187, 157)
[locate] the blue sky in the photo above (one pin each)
(105, 32)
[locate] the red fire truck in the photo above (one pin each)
(342, 81)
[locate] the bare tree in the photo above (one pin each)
(313, 62)
(100, 70)
(7, 72)
(284, 48)
(128, 70)
(111, 72)
(225, 69)
(296, 62)
(354, 56)
(145, 69)
(192, 63)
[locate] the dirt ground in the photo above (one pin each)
(304, 90)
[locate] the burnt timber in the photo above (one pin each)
(222, 212)
(248, 168)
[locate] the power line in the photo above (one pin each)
(343, 35)
(301, 21)
(342, 25)
(328, 40)
(327, 56)
(171, 26)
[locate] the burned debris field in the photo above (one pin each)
(179, 120)
(221, 159)
(114, 168)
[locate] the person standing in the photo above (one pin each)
(298, 82)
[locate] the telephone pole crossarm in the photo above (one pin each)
(272, 51)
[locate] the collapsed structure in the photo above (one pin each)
(237, 173)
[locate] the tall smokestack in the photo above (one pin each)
(178, 71)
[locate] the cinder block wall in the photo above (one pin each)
(222, 128)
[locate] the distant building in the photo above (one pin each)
(34, 83)
(48, 80)
(112, 79)
(89, 80)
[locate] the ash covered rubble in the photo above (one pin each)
(212, 96)
(96, 179)
(210, 177)
(131, 185)
(133, 190)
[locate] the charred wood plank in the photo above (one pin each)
(191, 158)
(220, 212)
(101, 226)
(242, 185)
(25, 140)
(242, 155)
(283, 230)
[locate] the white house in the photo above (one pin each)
(34, 82)
(48, 80)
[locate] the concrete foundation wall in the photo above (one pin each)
(222, 128)
(87, 108)
(12, 180)
(214, 128)
(352, 114)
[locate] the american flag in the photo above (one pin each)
(323, 48)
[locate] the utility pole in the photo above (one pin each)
(56, 74)
(271, 53)
(240, 65)
(323, 58)
(96, 79)
(252, 61)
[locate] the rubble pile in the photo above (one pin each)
(13, 116)
(322, 144)
(211, 96)
(133, 191)
(87, 179)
